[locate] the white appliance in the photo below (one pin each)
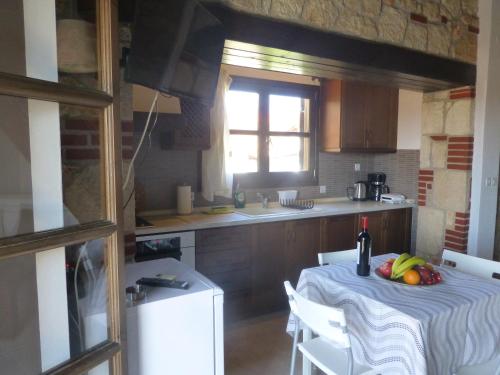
(393, 198)
(175, 331)
(160, 245)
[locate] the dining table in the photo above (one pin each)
(397, 328)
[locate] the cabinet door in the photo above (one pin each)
(398, 230)
(352, 116)
(381, 118)
(302, 247)
(339, 233)
(268, 268)
(376, 228)
(224, 256)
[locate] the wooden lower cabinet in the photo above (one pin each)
(390, 230)
(268, 271)
(250, 262)
(338, 232)
(302, 247)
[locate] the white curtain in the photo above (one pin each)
(217, 178)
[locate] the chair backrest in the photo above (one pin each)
(336, 256)
(470, 264)
(324, 320)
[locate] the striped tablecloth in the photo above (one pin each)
(401, 329)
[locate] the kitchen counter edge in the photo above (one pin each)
(236, 219)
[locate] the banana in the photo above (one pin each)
(400, 259)
(407, 265)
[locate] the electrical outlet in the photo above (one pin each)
(357, 167)
(322, 189)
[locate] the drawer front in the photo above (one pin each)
(220, 239)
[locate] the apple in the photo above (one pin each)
(386, 269)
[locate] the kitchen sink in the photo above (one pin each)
(272, 211)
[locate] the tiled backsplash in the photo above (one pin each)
(158, 172)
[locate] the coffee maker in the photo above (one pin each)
(377, 186)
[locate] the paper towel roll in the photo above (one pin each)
(184, 202)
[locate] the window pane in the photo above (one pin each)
(50, 40)
(57, 309)
(242, 110)
(288, 114)
(288, 154)
(50, 166)
(244, 153)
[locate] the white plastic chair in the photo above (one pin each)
(482, 268)
(469, 264)
(331, 350)
(336, 256)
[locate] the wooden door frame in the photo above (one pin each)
(107, 100)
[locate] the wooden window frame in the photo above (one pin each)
(263, 178)
(107, 100)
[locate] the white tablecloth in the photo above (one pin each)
(402, 329)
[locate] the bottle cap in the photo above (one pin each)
(364, 222)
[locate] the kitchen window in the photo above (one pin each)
(272, 128)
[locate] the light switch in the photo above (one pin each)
(357, 167)
(322, 189)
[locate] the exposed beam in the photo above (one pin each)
(266, 43)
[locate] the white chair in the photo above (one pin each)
(469, 264)
(336, 256)
(482, 268)
(331, 350)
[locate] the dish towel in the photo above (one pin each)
(216, 177)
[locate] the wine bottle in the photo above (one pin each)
(364, 244)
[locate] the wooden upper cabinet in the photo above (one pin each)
(356, 116)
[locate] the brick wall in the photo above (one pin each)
(445, 171)
(80, 139)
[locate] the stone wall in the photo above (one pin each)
(445, 171)
(442, 27)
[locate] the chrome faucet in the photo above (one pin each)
(265, 199)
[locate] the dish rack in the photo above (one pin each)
(299, 204)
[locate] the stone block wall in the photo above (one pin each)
(445, 171)
(442, 27)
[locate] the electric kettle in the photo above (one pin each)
(358, 191)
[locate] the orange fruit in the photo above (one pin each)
(411, 277)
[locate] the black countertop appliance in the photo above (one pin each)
(377, 186)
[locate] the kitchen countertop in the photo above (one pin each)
(165, 223)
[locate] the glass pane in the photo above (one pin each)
(288, 154)
(288, 114)
(50, 166)
(242, 110)
(50, 40)
(54, 307)
(102, 369)
(244, 153)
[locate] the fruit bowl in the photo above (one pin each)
(409, 270)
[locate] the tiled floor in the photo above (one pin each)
(259, 347)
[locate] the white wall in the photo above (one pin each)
(409, 120)
(485, 162)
